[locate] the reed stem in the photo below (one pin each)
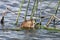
(56, 13)
(49, 21)
(19, 11)
(40, 15)
(26, 10)
(33, 10)
(36, 8)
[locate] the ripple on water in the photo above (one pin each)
(25, 35)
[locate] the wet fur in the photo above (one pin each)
(28, 24)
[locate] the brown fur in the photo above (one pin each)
(28, 24)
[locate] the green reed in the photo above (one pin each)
(56, 11)
(33, 10)
(56, 8)
(26, 10)
(19, 11)
(40, 15)
(36, 7)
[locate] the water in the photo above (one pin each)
(10, 19)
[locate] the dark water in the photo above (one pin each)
(10, 19)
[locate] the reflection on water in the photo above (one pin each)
(10, 19)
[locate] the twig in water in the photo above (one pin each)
(51, 18)
(3, 14)
(2, 20)
(56, 12)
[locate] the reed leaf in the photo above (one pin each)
(36, 8)
(19, 11)
(33, 10)
(56, 11)
(40, 15)
(26, 10)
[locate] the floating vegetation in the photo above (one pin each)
(42, 27)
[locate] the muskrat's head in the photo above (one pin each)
(28, 24)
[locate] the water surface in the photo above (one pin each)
(10, 19)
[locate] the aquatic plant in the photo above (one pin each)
(51, 18)
(19, 11)
(26, 10)
(54, 15)
(56, 11)
(33, 10)
(35, 6)
(40, 15)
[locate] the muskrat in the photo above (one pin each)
(28, 24)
